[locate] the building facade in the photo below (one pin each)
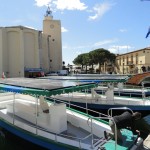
(23, 48)
(134, 62)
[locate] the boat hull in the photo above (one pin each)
(123, 93)
(40, 141)
(132, 94)
(104, 107)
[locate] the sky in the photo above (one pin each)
(119, 26)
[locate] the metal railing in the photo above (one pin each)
(106, 118)
(37, 127)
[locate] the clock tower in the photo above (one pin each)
(52, 33)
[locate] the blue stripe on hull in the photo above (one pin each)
(125, 93)
(99, 107)
(33, 138)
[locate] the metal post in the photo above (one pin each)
(36, 112)
(116, 137)
(14, 109)
(86, 102)
(92, 132)
(69, 100)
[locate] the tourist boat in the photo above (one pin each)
(122, 89)
(118, 82)
(97, 78)
(106, 100)
(26, 112)
(91, 98)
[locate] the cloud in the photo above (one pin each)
(104, 42)
(62, 4)
(70, 5)
(78, 52)
(119, 49)
(123, 30)
(63, 29)
(100, 10)
(41, 3)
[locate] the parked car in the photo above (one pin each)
(51, 73)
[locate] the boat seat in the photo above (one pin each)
(44, 106)
(95, 95)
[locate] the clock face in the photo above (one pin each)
(51, 26)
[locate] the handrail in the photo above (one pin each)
(86, 109)
(64, 135)
(109, 118)
(47, 131)
(118, 108)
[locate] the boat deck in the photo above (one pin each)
(72, 132)
(76, 134)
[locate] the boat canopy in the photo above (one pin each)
(88, 78)
(43, 87)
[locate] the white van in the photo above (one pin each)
(62, 72)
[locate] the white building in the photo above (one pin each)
(23, 48)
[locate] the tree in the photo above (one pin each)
(79, 60)
(100, 56)
(63, 63)
(86, 60)
(91, 60)
(97, 56)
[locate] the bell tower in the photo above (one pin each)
(52, 32)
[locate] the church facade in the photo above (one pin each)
(24, 50)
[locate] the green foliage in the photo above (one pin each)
(97, 56)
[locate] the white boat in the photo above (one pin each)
(106, 100)
(118, 81)
(122, 89)
(25, 112)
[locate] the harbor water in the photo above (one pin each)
(10, 142)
